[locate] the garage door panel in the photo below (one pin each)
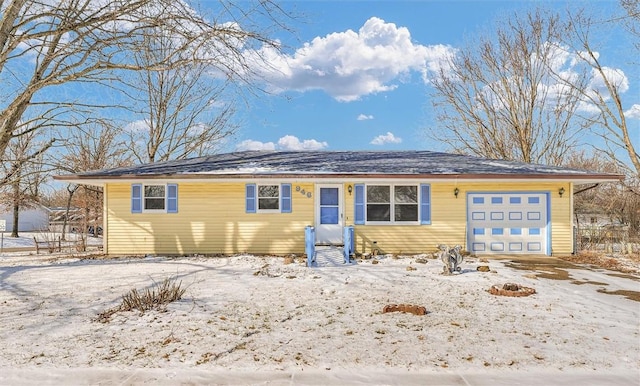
(507, 222)
(515, 247)
(515, 216)
(478, 247)
(497, 246)
(534, 247)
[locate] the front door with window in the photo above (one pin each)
(329, 214)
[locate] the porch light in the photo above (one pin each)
(350, 189)
(455, 192)
(561, 191)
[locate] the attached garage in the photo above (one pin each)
(511, 223)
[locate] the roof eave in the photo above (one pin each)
(99, 180)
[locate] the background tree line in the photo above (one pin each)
(531, 89)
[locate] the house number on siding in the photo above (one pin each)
(303, 192)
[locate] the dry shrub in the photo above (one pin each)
(156, 297)
(166, 292)
(601, 260)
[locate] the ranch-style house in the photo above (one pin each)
(401, 202)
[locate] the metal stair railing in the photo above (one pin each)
(310, 244)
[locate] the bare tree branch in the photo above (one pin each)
(498, 99)
(605, 93)
(185, 111)
(55, 46)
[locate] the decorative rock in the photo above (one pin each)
(483, 268)
(410, 268)
(288, 260)
(511, 289)
(420, 260)
(408, 308)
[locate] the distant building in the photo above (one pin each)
(594, 227)
(29, 220)
(57, 215)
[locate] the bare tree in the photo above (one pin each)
(602, 99)
(185, 109)
(24, 173)
(616, 201)
(97, 147)
(45, 45)
(58, 45)
(498, 99)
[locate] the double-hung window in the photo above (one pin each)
(378, 203)
(405, 199)
(392, 204)
(268, 198)
(154, 198)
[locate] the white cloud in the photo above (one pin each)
(387, 138)
(288, 142)
(569, 68)
(137, 127)
(633, 112)
(613, 75)
(255, 145)
(363, 117)
(597, 88)
(348, 65)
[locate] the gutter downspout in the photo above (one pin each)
(585, 189)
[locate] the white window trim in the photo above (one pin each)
(166, 192)
(392, 205)
(278, 210)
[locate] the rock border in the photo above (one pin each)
(408, 308)
(511, 289)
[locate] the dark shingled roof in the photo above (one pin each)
(339, 163)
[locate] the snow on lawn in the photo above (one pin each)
(257, 313)
(27, 239)
(17, 242)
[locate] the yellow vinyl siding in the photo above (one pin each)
(448, 224)
(211, 219)
(561, 219)
(449, 219)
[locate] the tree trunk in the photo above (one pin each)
(65, 221)
(16, 209)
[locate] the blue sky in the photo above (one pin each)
(334, 96)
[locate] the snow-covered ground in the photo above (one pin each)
(253, 315)
(27, 240)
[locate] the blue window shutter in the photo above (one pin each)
(425, 204)
(285, 198)
(250, 198)
(359, 204)
(136, 198)
(172, 198)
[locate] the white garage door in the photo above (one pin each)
(508, 223)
